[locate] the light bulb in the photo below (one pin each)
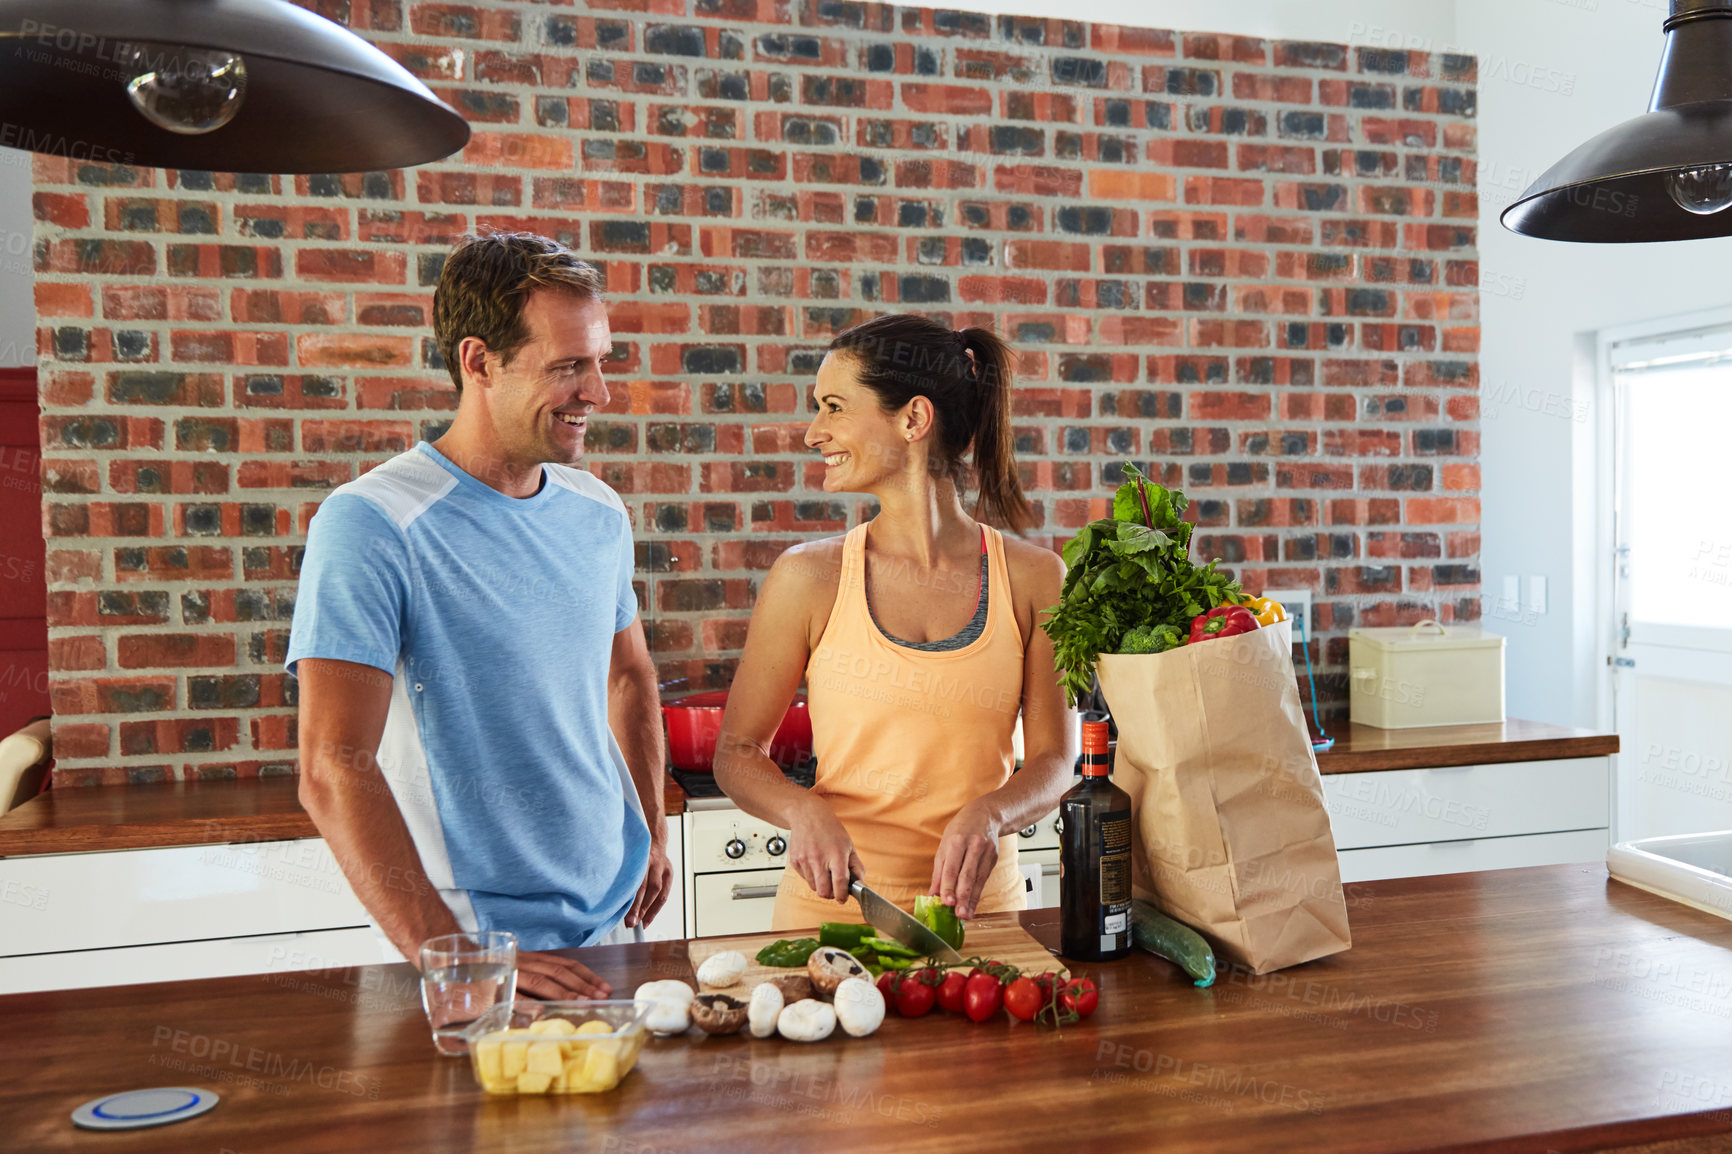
(185, 90)
(1703, 191)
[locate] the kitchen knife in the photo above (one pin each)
(895, 923)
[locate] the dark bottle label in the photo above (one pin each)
(1113, 837)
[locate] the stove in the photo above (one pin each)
(703, 785)
(733, 862)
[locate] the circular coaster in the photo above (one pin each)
(136, 1109)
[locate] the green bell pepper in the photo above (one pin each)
(886, 948)
(787, 952)
(940, 919)
(843, 935)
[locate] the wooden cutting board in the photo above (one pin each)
(997, 936)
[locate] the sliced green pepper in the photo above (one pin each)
(891, 962)
(885, 948)
(940, 919)
(787, 952)
(843, 935)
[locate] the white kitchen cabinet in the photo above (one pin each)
(1457, 819)
(1473, 854)
(122, 917)
(670, 924)
(147, 915)
(175, 894)
(183, 961)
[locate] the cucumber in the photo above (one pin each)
(1178, 943)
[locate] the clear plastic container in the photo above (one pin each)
(531, 1047)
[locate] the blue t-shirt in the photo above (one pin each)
(496, 617)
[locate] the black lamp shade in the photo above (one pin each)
(1613, 188)
(318, 98)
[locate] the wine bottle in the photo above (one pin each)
(1095, 859)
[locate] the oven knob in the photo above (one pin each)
(735, 848)
(777, 846)
(1058, 826)
(1029, 832)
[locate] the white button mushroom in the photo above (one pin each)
(764, 1009)
(672, 1005)
(859, 1006)
(807, 1020)
(723, 969)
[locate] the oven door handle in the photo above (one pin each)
(748, 893)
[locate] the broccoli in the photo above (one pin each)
(1151, 639)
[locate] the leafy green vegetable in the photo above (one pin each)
(1131, 586)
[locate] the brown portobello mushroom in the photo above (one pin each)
(794, 987)
(718, 1014)
(829, 967)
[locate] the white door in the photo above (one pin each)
(1672, 603)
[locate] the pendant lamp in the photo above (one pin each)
(1664, 175)
(220, 85)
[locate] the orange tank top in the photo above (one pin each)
(905, 737)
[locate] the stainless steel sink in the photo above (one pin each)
(1692, 868)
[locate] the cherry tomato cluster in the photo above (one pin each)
(985, 988)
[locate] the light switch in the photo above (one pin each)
(1512, 595)
(1537, 594)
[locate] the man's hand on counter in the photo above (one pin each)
(557, 978)
(653, 894)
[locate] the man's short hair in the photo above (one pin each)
(486, 282)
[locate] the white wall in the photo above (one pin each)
(1538, 458)
(17, 281)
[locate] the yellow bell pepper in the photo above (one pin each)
(1266, 612)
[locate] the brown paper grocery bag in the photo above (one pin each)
(1232, 835)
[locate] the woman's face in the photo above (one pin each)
(862, 444)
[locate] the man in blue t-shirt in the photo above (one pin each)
(479, 728)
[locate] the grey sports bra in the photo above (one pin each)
(968, 634)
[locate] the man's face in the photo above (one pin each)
(540, 402)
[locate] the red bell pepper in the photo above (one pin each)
(1222, 621)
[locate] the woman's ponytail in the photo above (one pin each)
(994, 456)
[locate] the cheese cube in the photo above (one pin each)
(513, 1058)
(544, 1058)
(533, 1083)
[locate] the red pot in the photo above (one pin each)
(694, 723)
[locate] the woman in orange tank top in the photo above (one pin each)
(917, 634)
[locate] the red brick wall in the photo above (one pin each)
(1247, 264)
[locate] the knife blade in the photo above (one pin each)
(899, 925)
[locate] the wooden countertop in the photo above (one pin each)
(1359, 748)
(1518, 1010)
(71, 820)
(83, 819)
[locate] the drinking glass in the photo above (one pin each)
(462, 977)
